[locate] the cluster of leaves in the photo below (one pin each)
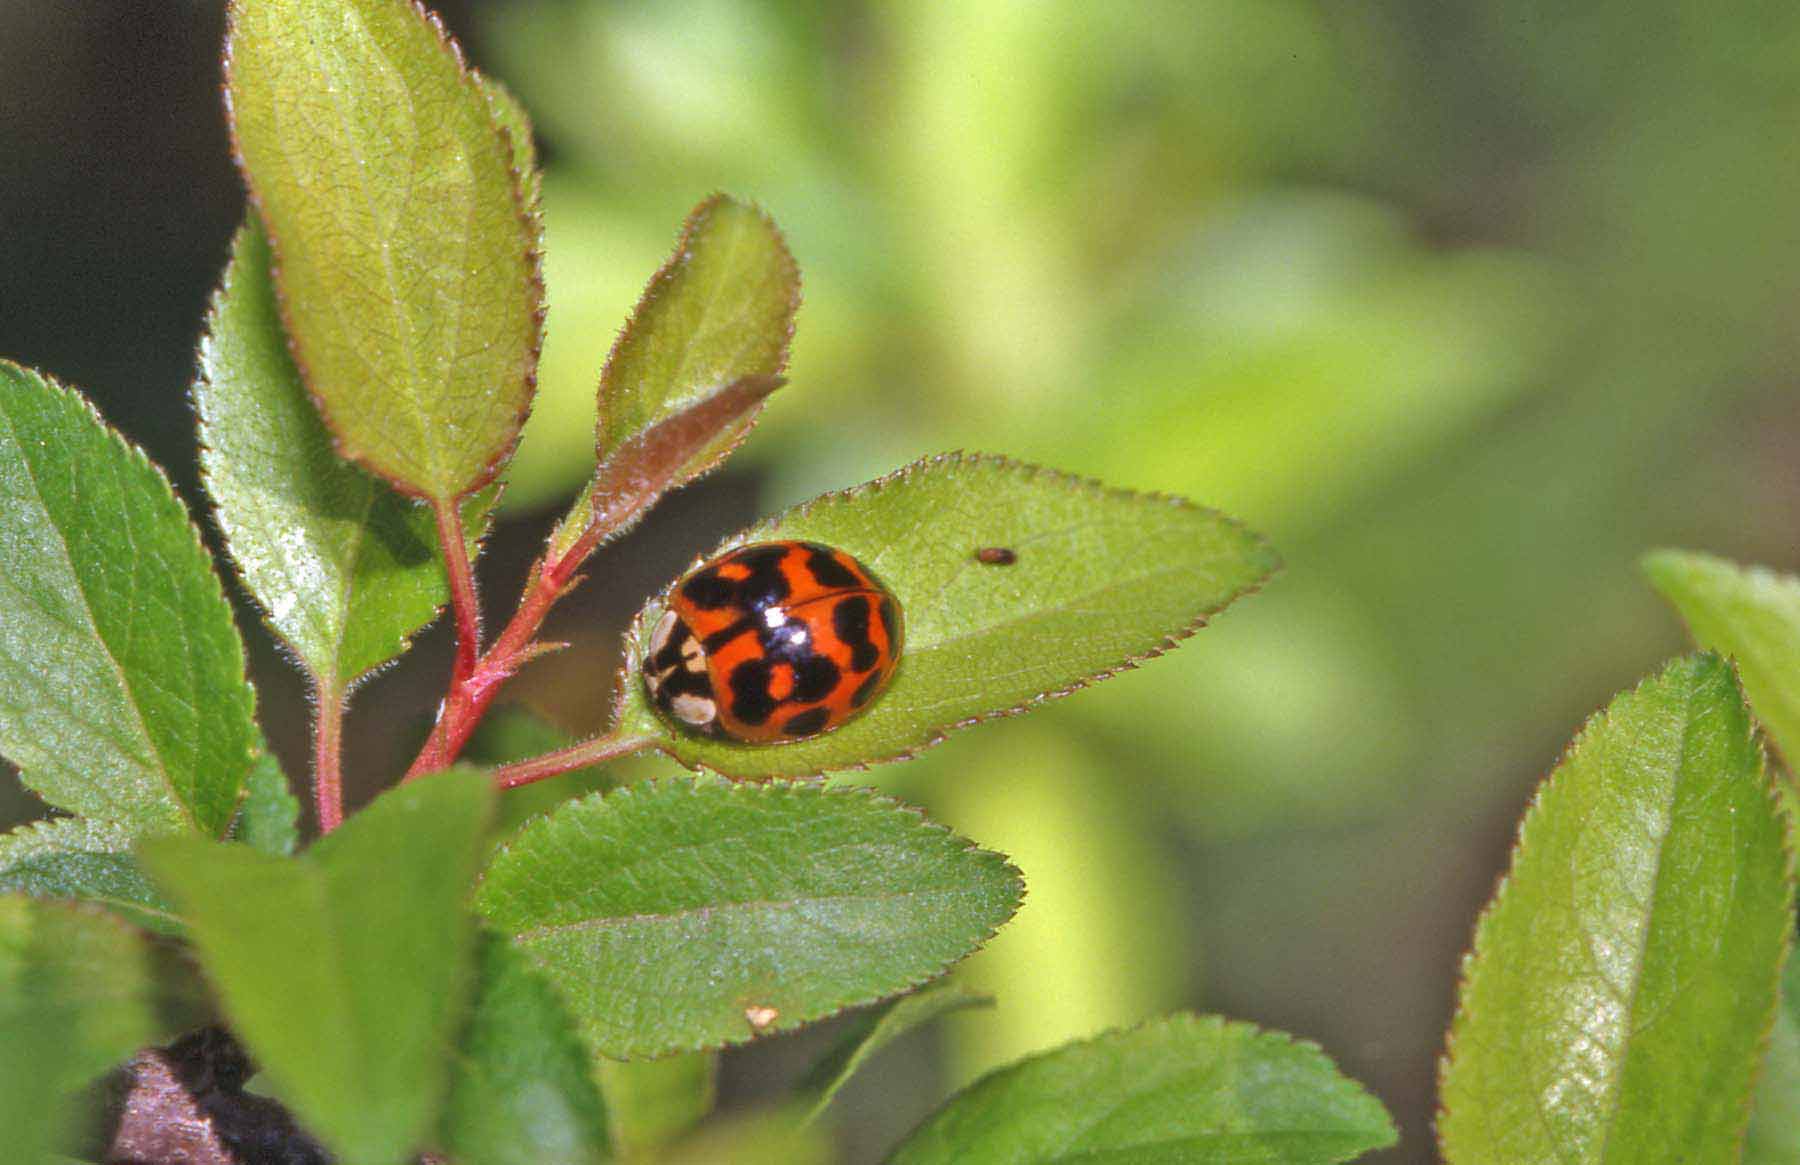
(1626, 997)
(425, 975)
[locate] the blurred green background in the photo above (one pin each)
(1464, 305)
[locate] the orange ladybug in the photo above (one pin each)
(772, 642)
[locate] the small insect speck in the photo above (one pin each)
(997, 555)
(761, 1017)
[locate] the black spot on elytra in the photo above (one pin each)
(850, 619)
(890, 622)
(806, 723)
(670, 655)
(727, 633)
(763, 585)
(814, 678)
(750, 698)
(866, 690)
(823, 562)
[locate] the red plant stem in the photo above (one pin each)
(471, 694)
(578, 756)
(462, 587)
(328, 744)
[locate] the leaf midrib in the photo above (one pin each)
(752, 906)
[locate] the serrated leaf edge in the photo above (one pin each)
(670, 267)
(766, 788)
(630, 664)
(1185, 1019)
(1503, 884)
(529, 215)
(136, 454)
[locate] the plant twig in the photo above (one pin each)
(565, 760)
(463, 599)
(328, 746)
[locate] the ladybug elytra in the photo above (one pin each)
(773, 641)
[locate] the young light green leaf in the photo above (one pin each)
(652, 1102)
(122, 689)
(344, 970)
(1102, 578)
(655, 460)
(87, 860)
(875, 1030)
(1184, 1088)
(269, 822)
(678, 914)
(1751, 614)
(1773, 1137)
(1623, 978)
(407, 256)
(76, 998)
(721, 309)
(345, 570)
(522, 1091)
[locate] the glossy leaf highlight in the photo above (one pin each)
(1185, 1088)
(344, 970)
(122, 689)
(677, 915)
(407, 255)
(82, 859)
(1102, 578)
(1623, 979)
(345, 569)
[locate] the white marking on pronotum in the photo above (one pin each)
(696, 710)
(665, 627)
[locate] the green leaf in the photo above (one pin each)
(721, 309)
(652, 1102)
(1184, 1088)
(1623, 978)
(1751, 614)
(522, 1092)
(509, 115)
(270, 819)
(1773, 1137)
(652, 462)
(512, 734)
(122, 690)
(680, 914)
(80, 858)
(76, 999)
(344, 970)
(407, 256)
(1103, 578)
(345, 569)
(875, 1030)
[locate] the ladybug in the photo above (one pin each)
(772, 642)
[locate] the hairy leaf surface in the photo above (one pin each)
(677, 915)
(345, 569)
(1102, 578)
(344, 970)
(720, 310)
(1623, 979)
(407, 258)
(1185, 1088)
(80, 858)
(122, 689)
